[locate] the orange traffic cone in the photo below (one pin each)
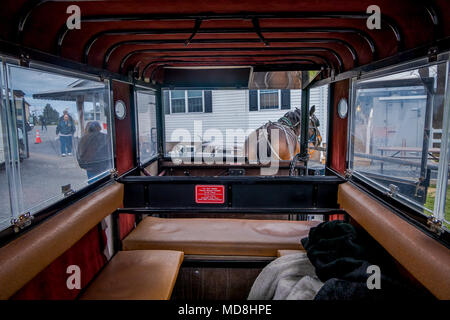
(38, 137)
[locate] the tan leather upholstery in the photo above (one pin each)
(137, 275)
(425, 258)
(25, 257)
(281, 253)
(240, 237)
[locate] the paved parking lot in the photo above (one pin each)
(42, 174)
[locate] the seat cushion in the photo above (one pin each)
(281, 253)
(422, 256)
(137, 275)
(239, 237)
(22, 259)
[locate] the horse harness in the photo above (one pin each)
(288, 133)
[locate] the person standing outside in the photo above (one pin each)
(65, 129)
(43, 123)
(94, 154)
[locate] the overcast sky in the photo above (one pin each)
(32, 82)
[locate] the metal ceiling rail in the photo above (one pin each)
(111, 49)
(151, 64)
(367, 38)
(241, 16)
(312, 65)
(256, 49)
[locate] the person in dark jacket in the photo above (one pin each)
(94, 154)
(65, 129)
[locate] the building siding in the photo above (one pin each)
(230, 111)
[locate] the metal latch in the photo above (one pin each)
(24, 60)
(348, 174)
(435, 225)
(67, 190)
(22, 222)
(432, 54)
(114, 174)
(393, 190)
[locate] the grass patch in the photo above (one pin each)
(429, 204)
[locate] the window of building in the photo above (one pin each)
(178, 101)
(269, 99)
(399, 136)
(57, 138)
(272, 99)
(195, 100)
(147, 139)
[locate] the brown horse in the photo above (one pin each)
(287, 145)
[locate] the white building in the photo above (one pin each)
(232, 110)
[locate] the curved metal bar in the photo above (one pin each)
(111, 49)
(246, 16)
(358, 32)
(324, 60)
(432, 13)
(169, 63)
(334, 53)
(197, 25)
(149, 65)
(23, 18)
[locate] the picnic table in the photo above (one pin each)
(400, 152)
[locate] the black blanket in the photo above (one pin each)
(341, 256)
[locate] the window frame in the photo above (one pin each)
(57, 201)
(186, 102)
(139, 161)
(399, 201)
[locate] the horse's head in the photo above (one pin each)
(294, 118)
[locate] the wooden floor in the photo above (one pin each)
(214, 283)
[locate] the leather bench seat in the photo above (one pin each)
(281, 253)
(422, 256)
(238, 237)
(137, 275)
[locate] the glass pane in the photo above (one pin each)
(63, 140)
(195, 104)
(5, 204)
(268, 99)
(396, 128)
(194, 93)
(146, 105)
(178, 101)
(318, 98)
(222, 131)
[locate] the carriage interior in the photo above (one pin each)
(174, 215)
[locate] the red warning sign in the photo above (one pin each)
(209, 194)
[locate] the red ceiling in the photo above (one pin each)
(297, 33)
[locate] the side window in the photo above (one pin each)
(5, 204)
(59, 132)
(148, 139)
(397, 136)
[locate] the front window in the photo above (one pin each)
(218, 121)
(397, 140)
